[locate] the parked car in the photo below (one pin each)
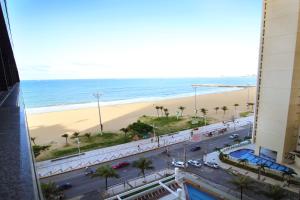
(196, 148)
(89, 171)
(179, 164)
(194, 163)
(120, 165)
(234, 136)
(64, 186)
(212, 165)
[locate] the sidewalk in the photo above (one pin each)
(214, 157)
(50, 168)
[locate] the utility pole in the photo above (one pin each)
(184, 149)
(97, 96)
(195, 88)
(78, 145)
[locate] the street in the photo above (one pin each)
(91, 188)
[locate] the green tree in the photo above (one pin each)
(50, 191)
(216, 109)
(260, 167)
(167, 114)
(157, 110)
(66, 136)
(204, 112)
(275, 192)
(181, 108)
(143, 164)
(235, 106)
(166, 111)
(88, 135)
(250, 104)
(243, 161)
(37, 149)
(224, 108)
(33, 140)
(161, 109)
(139, 128)
(75, 135)
(125, 131)
(106, 172)
(242, 182)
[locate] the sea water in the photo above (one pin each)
(53, 95)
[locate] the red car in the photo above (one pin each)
(120, 165)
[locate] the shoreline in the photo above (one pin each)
(66, 107)
(48, 127)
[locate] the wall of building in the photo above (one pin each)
(277, 117)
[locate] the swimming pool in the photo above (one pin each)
(254, 159)
(196, 194)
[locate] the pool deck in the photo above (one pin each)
(214, 157)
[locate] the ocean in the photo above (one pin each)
(54, 95)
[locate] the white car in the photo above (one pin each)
(194, 163)
(234, 136)
(179, 164)
(212, 165)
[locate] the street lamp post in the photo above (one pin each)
(78, 145)
(97, 96)
(195, 88)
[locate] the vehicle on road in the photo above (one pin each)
(120, 165)
(89, 172)
(194, 163)
(234, 136)
(64, 186)
(179, 164)
(212, 165)
(196, 148)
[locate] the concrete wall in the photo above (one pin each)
(277, 117)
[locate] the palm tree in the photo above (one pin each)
(166, 110)
(33, 140)
(106, 172)
(216, 109)
(261, 167)
(181, 108)
(125, 130)
(235, 106)
(75, 135)
(287, 176)
(50, 191)
(167, 114)
(161, 109)
(242, 182)
(250, 104)
(157, 110)
(88, 135)
(143, 164)
(243, 161)
(204, 112)
(224, 108)
(275, 192)
(66, 136)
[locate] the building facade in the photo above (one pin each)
(277, 114)
(18, 178)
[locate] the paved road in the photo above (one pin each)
(91, 188)
(83, 184)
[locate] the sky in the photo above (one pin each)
(80, 39)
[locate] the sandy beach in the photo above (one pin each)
(48, 127)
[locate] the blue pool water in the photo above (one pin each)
(253, 159)
(195, 194)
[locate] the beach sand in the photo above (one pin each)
(48, 127)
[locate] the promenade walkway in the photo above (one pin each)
(50, 167)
